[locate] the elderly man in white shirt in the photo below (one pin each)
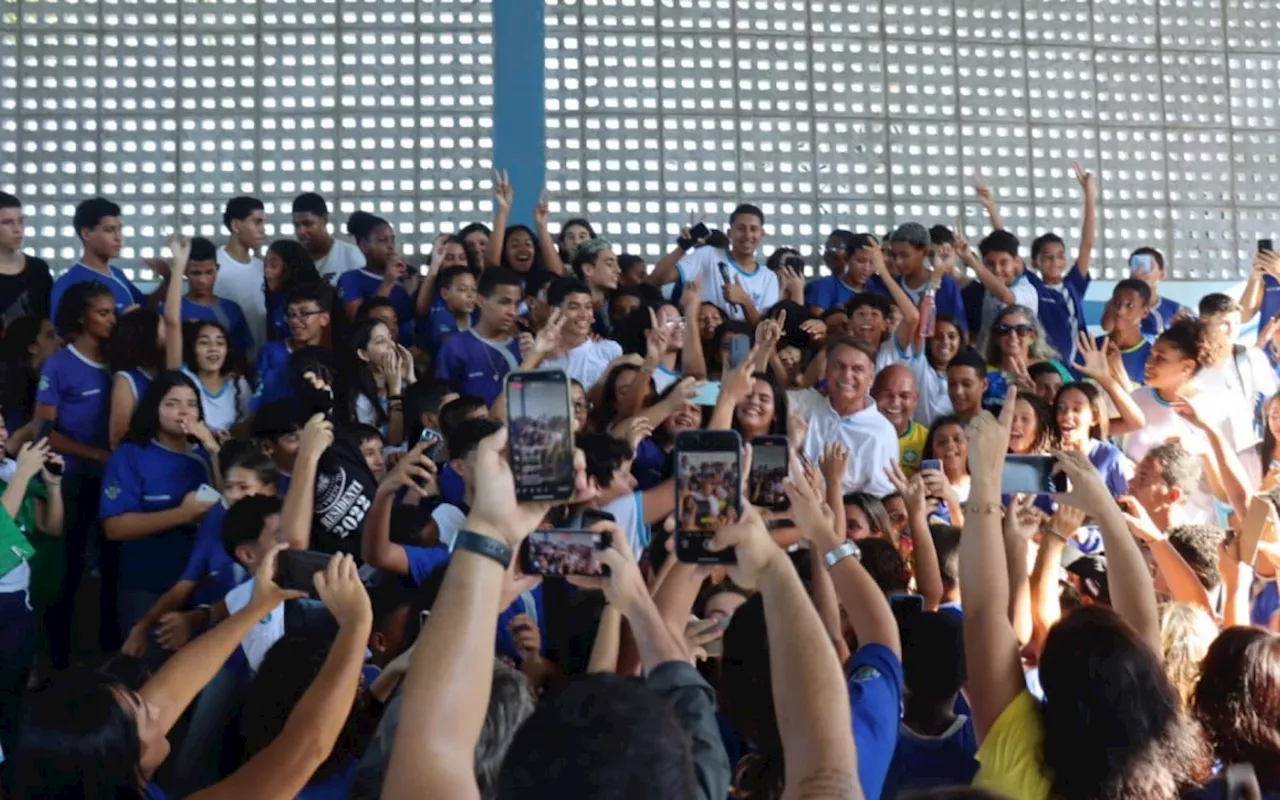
(849, 416)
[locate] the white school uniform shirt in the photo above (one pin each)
(268, 631)
(342, 257)
(222, 411)
(242, 284)
(663, 378)
(1024, 294)
(628, 512)
(1235, 385)
(702, 265)
(870, 439)
(587, 362)
(449, 520)
(931, 387)
(1162, 424)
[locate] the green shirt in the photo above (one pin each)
(48, 563)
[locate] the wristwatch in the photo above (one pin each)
(482, 545)
(836, 555)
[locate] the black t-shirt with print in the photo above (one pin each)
(344, 493)
(27, 293)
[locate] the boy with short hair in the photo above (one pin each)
(240, 271)
(278, 426)
(368, 440)
(1001, 277)
(1127, 308)
(966, 383)
(308, 317)
(608, 467)
(476, 360)
(200, 302)
(581, 357)
(909, 247)
(456, 312)
(97, 223)
(25, 281)
(332, 257)
(1147, 265)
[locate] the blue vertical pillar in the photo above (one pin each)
(519, 107)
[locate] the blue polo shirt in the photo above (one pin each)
(81, 391)
(1270, 305)
(874, 677)
(439, 325)
(474, 365)
(122, 289)
(1061, 310)
(213, 571)
(1158, 318)
(947, 300)
(277, 323)
(425, 560)
(1134, 358)
(226, 313)
(651, 466)
(273, 375)
(146, 479)
(139, 380)
(361, 284)
(829, 292)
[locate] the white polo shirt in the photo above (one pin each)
(1024, 294)
(587, 362)
(268, 631)
(242, 283)
(703, 265)
(342, 257)
(870, 439)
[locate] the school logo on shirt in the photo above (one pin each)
(865, 674)
(112, 491)
(44, 383)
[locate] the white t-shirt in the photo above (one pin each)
(226, 408)
(1163, 423)
(268, 631)
(663, 378)
(1024, 294)
(243, 284)
(587, 362)
(628, 511)
(703, 265)
(1235, 385)
(449, 520)
(870, 439)
(342, 257)
(930, 386)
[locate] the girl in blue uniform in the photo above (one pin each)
(286, 267)
(144, 343)
(73, 396)
(149, 493)
(383, 273)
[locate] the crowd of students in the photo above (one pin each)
(905, 625)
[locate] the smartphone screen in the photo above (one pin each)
(769, 467)
(295, 569)
(708, 492)
(1032, 474)
(560, 553)
(1141, 264)
(931, 463)
(540, 434)
(739, 348)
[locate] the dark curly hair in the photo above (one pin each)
(1237, 701)
(1192, 339)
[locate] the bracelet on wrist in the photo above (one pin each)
(982, 508)
(1052, 531)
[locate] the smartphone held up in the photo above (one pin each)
(559, 553)
(708, 492)
(540, 434)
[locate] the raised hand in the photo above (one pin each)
(912, 489)
(834, 462)
(989, 439)
(1090, 361)
(180, 247)
(503, 194)
(1136, 517)
(317, 436)
(340, 589)
(1023, 519)
(1088, 184)
(983, 190)
(734, 293)
(542, 211)
(1087, 492)
(691, 300)
(267, 594)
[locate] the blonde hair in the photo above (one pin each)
(1186, 631)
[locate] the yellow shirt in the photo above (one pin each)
(1009, 758)
(911, 448)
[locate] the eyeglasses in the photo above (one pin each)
(673, 324)
(1004, 329)
(301, 315)
(579, 405)
(832, 249)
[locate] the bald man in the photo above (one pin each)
(894, 391)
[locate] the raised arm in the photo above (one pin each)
(186, 673)
(988, 200)
(283, 768)
(990, 281)
(924, 557)
(910, 314)
(1184, 585)
(693, 361)
(427, 287)
(991, 649)
(1089, 220)
(541, 219)
(1225, 466)
(300, 503)
(810, 699)
(1092, 363)
(180, 247)
(503, 195)
(413, 471)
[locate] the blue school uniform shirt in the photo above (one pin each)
(226, 313)
(81, 391)
(439, 325)
(145, 479)
(361, 284)
(1158, 318)
(947, 299)
(1134, 358)
(473, 365)
(425, 560)
(651, 466)
(829, 292)
(277, 322)
(213, 571)
(139, 380)
(1061, 310)
(921, 763)
(337, 786)
(273, 375)
(875, 698)
(452, 487)
(122, 289)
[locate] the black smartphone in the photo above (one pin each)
(540, 434)
(906, 604)
(42, 432)
(435, 444)
(770, 458)
(708, 492)
(560, 553)
(794, 262)
(1031, 474)
(1264, 246)
(700, 231)
(295, 569)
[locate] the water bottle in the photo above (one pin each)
(928, 311)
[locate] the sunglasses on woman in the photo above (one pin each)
(1004, 329)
